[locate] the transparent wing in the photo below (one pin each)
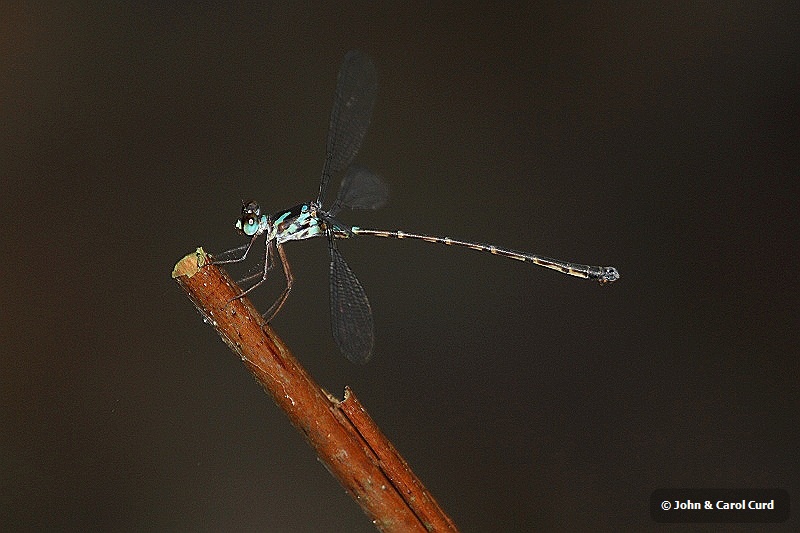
(360, 189)
(352, 110)
(351, 316)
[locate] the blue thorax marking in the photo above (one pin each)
(295, 224)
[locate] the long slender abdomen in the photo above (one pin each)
(600, 274)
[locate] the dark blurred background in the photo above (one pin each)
(662, 140)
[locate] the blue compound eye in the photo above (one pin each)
(250, 226)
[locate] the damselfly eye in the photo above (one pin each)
(250, 226)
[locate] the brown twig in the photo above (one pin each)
(345, 438)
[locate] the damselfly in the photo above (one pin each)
(351, 316)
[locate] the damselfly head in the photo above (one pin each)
(250, 220)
